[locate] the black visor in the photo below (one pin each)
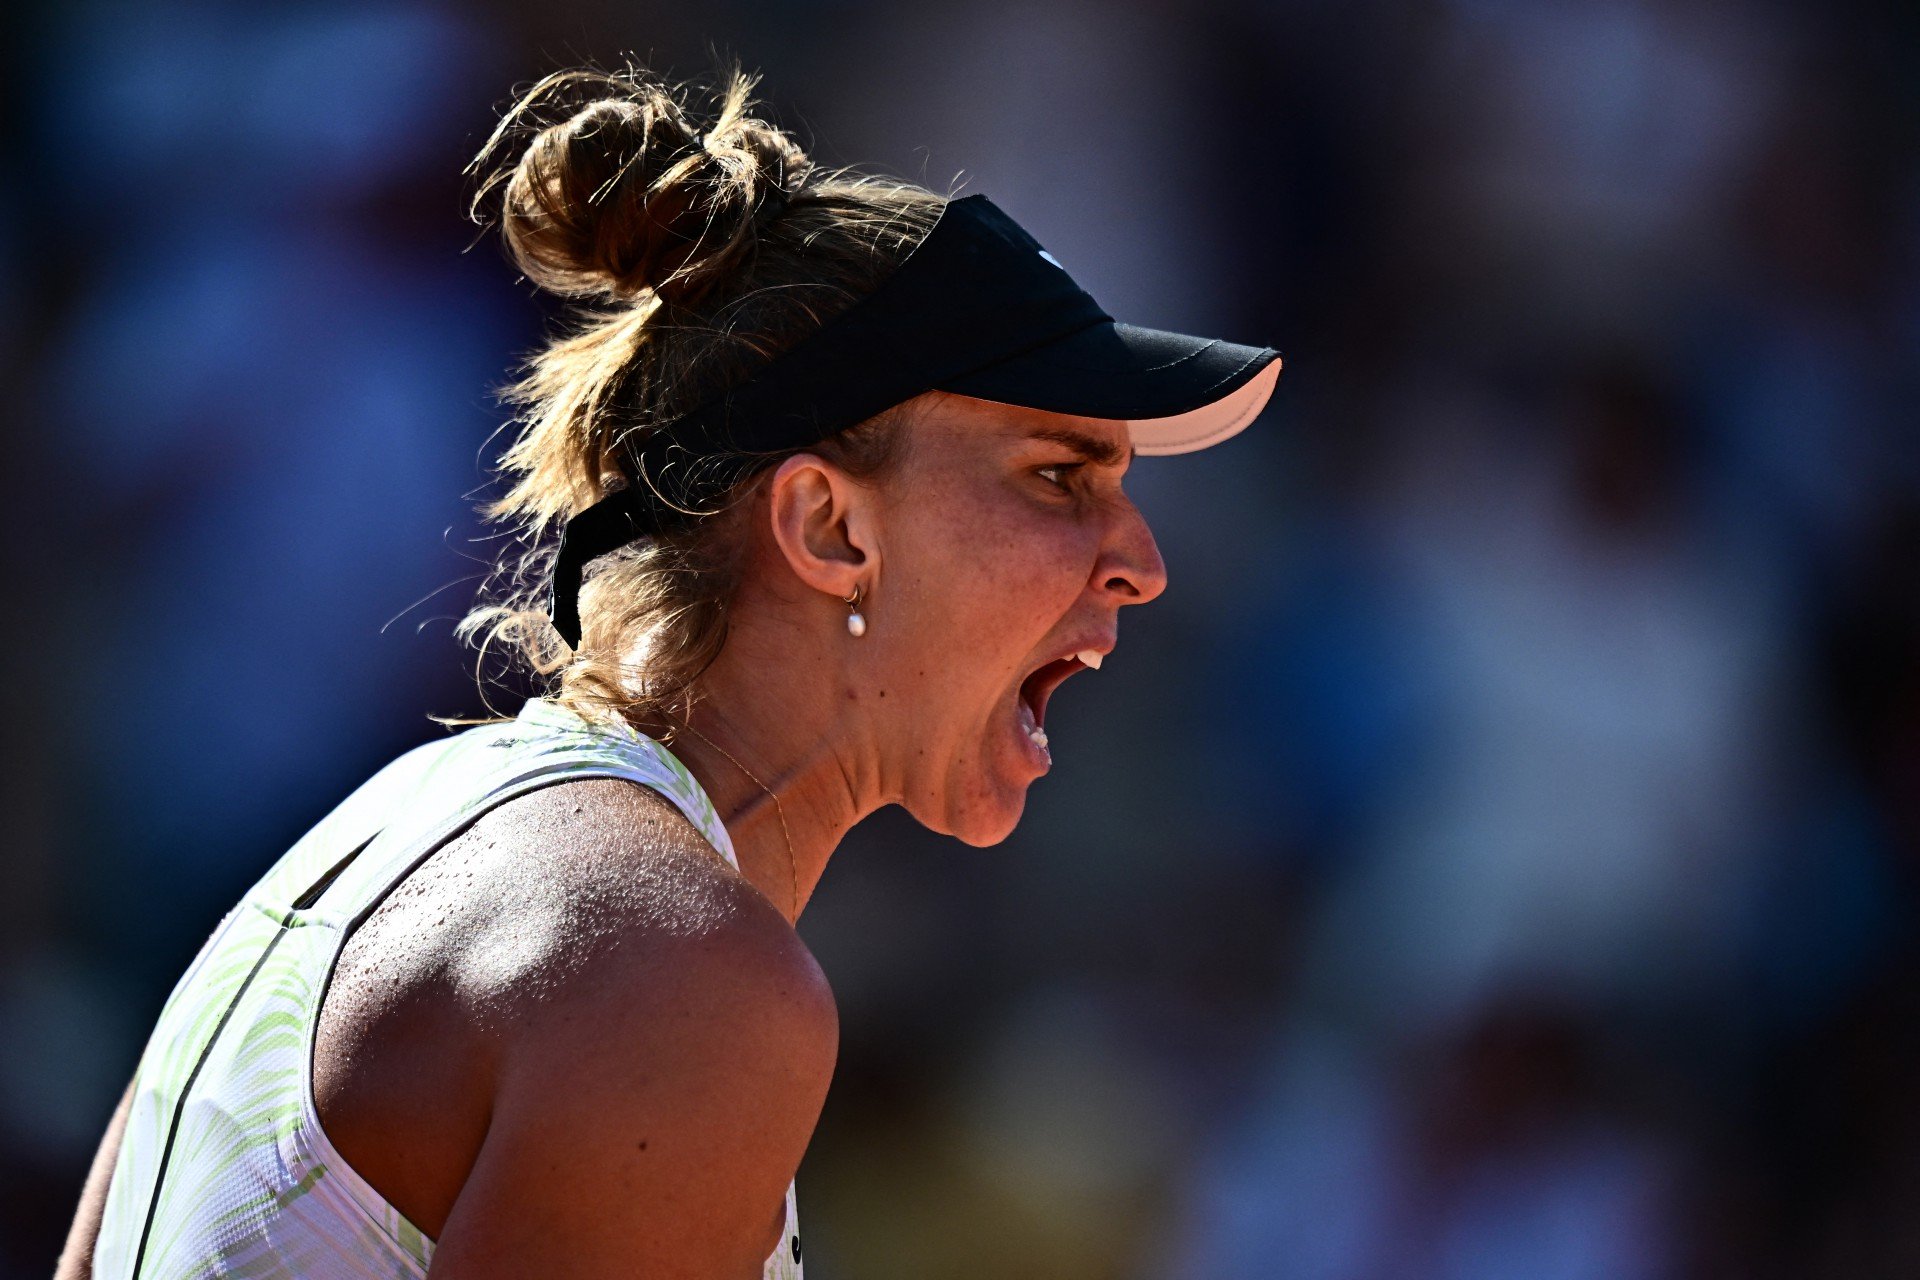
(978, 309)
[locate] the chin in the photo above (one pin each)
(984, 835)
(980, 824)
(979, 798)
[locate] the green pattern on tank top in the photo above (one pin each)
(251, 1185)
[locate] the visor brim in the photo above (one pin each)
(1175, 392)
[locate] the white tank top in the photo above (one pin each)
(224, 1169)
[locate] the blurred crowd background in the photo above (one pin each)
(1493, 859)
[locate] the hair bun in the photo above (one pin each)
(619, 192)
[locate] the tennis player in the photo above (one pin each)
(837, 466)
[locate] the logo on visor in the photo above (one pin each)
(1050, 258)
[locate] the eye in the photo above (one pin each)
(1056, 473)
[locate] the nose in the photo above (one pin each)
(1130, 568)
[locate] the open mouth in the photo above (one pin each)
(1038, 687)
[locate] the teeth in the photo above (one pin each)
(1089, 657)
(1035, 734)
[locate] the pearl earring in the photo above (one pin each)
(856, 623)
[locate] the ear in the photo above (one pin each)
(824, 523)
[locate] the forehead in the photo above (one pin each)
(965, 422)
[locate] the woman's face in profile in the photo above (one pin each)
(1008, 548)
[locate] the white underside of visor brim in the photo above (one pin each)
(1210, 423)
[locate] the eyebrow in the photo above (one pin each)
(1101, 452)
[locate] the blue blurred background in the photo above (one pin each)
(1494, 857)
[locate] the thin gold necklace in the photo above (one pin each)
(793, 879)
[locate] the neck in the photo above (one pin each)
(787, 748)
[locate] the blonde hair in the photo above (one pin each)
(696, 247)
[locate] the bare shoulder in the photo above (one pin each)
(601, 892)
(594, 896)
(665, 1046)
(577, 982)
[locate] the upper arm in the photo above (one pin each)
(76, 1259)
(648, 1120)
